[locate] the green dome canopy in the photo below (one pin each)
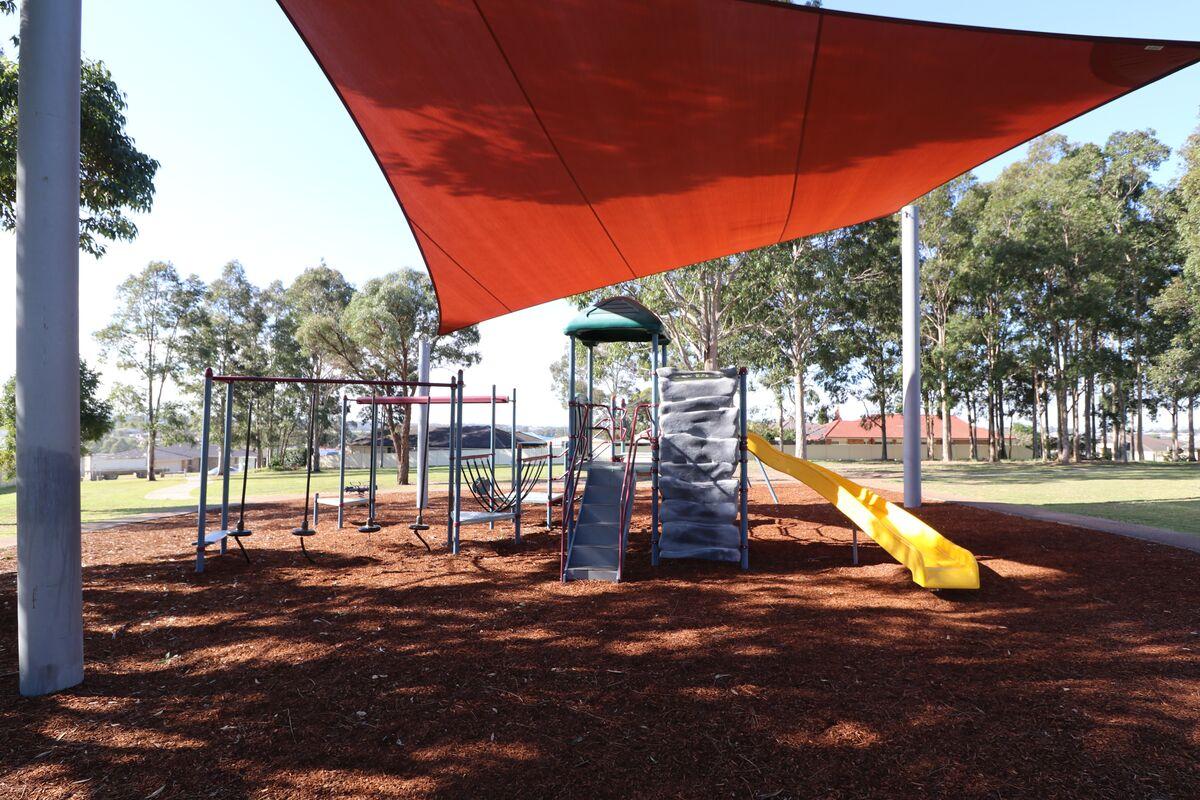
(617, 319)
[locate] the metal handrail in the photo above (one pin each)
(629, 479)
(570, 488)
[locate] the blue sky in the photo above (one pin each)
(261, 163)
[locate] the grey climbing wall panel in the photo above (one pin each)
(698, 448)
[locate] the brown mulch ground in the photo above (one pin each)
(385, 671)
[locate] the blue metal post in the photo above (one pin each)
(745, 477)
(517, 508)
(512, 459)
(654, 455)
(342, 462)
(450, 438)
(570, 399)
(591, 380)
(225, 446)
(550, 485)
(202, 512)
(458, 448)
(492, 460)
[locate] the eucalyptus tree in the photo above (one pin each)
(155, 310)
(376, 337)
(863, 348)
(115, 177)
(947, 231)
(793, 286)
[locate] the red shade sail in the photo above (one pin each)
(540, 149)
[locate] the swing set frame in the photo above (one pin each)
(496, 506)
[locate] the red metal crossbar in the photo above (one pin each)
(420, 400)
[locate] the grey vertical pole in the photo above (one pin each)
(423, 427)
(745, 481)
(911, 325)
(512, 459)
(341, 465)
(226, 438)
(654, 354)
(205, 430)
(550, 485)
(492, 442)
(452, 465)
(570, 399)
(458, 472)
(371, 474)
(49, 560)
(492, 460)
(517, 492)
(591, 397)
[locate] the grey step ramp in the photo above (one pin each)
(594, 552)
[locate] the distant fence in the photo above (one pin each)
(873, 452)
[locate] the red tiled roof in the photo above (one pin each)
(870, 428)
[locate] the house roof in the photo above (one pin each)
(475, 437)
(542, 149)
(871, 428)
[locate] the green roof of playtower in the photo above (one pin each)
(617, 319)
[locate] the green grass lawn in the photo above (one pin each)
(1159, 494)
(105, 500)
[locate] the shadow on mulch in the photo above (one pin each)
(387, 671)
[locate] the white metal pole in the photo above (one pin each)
(49, 561)
(422, 426)
(910, 290)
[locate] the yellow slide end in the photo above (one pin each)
(934, 561)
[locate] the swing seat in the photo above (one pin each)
(212, 537)
(241, 533)
(370, 527)
(303, 532)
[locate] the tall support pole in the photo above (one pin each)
(49, 560)
(743, 495)
(516, 469)
(591, 396)
(654, 453)
(423, 427)
(226, 443)
(451, 437)
(205, 431)
(492, 459)
(910, 290)
(570, 399)
(458, 448)
(512, 459)
(345, 408)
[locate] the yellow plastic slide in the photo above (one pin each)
(935, 561)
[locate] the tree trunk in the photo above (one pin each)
(972, 419)
(1000, 419)
(801, 415)
(1141, 450)
(152, 424)
(930, 414)
(883, 425)
(947, 449)
(1191, 428)
(779, 407)
(1037, 402)
(1175, 427)
(1060, 399)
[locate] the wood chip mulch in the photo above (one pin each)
(385, 671)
